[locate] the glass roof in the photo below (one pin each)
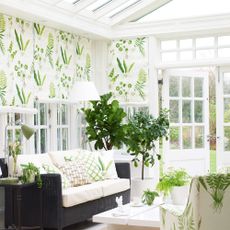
(187, 8)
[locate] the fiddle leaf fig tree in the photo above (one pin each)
(105, 123)
(143, 131)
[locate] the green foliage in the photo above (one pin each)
(139, 43)
(124, 67)
(3, 85)
(104, 123)
(21, 44)
(186, 221)
(22, 96)
(14, 151)
(87, 66)
(52, 90)
(49, 49)
(142, 131)
(38, 78)
(2, 31)
(79, 49)
(215, 185)
(66, 60)
(149, 196)
(112, 75)
(171, 179)
(102, 167)
(39, 29)
(141, 82)
(12, 51)
(29, 171)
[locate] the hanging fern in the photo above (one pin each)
(49, 49)
(66, 60)
(2, 31)
(22, 45)
(141, 83)
(38, 78)
(39, 29)
(87, 66)
(79, 49)
(124, 67)
(22, 96)
(139, 43)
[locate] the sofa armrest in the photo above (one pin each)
(51, 199)
(123, 170)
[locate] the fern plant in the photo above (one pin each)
(2, 31)
(141, 83)
(38, 78)
(49, 49)
(124, 67)
(216, 185)
(139, 43)
(21, 44)
(79, 49)
(12, 51)
(22, 96)
(3, 84)
(149, 196)
(87, 66)
(66, 60)
(39, 29)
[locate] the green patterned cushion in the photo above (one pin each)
(53, 169)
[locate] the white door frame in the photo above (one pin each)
(172, 157)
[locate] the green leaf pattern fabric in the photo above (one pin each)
(207, 207)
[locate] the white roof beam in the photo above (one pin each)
(82, 5)
(138, 10)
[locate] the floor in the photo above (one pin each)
(87, 226)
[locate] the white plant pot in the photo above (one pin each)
(179, 195)
(138, 186)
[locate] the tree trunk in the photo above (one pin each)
(143, 169)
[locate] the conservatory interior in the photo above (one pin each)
(115, 114)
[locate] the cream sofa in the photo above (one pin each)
(64, 205)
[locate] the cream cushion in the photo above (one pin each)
(81, 194)
(113, 186)
(78, 195)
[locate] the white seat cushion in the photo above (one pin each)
(113, 186)
(81, 194)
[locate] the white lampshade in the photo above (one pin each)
(84, 91)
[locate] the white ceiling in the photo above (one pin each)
(108, 19)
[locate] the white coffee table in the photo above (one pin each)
(135, 218)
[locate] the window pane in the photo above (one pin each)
(43, 140)
(186, 87)
(35, 142)
(198, 87)
(198, 111)
(205, 54)
(168, 45)
(18, 135)
(226, 83)
(224, 52)
(58, 115)
(64, 139)
(174, 111)
(186, 55)
(199, 137)
(186, 111)
(227, 138)
(174, 85)
(224, 40)
(204, 42)
(186, 43)
(169, 56)
(226, 110)
(187, 137)
(43, 114)
(174, 136)
(64, 115)
(59, 139)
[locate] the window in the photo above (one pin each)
(63, 127)
(41, 123)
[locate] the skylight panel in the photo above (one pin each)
(187, 8)
(122, 8)
(99, 4)
(72, 1)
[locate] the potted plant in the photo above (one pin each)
(143, 130)
(149, 196)
(105, 123)
(175, 183)
(30, 173)
(14, 151)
